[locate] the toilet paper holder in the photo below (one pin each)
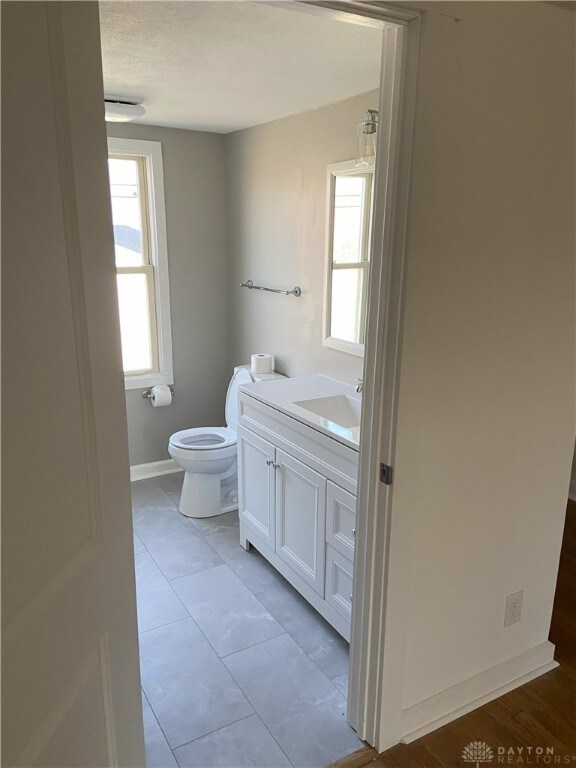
(148, 392)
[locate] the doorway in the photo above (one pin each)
(172, 541)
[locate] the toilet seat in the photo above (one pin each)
(204, 438)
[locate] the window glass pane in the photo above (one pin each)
(346, 307)
(135, 322)
(348, 218)
(126, 211)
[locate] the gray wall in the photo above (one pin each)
(268, 184)
(194, 177)
(277, 219)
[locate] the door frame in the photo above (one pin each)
(375, 698)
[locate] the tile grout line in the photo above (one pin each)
(307, 655)
(179, 577)
(168, 624)
(257, 712)
(247, 697)
(230, 562)
(274, 738)
(159, 726)
(253, 645)
(225, 668)
(204, 634)
(167, 581)
(192, 573)
(239, 649)
(188, 521)
(147, 551)
(286, 631)
(251, 593)
(210, 733)
(209, 643)
(205, 536)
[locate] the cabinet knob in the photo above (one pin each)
(276, 466)
(353, 531)
(269, 461)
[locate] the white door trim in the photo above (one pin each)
(375, 698)
(376, 648)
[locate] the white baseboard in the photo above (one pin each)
(572, 491)
(153, 469)
(432, 713)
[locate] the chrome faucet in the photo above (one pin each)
(359, 385)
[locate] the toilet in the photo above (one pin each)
(208, 456)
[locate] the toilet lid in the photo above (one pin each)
(241, 376)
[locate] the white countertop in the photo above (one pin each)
(283, 394)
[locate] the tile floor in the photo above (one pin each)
(237, 669)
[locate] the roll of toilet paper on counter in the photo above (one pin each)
(160, 395)
(261, 362)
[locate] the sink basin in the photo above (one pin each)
(339, 409)
(316, 401)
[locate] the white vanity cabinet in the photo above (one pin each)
(256, 485)
(297, 505)
(284, 501)
(340, 535)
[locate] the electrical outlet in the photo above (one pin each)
(513, 608)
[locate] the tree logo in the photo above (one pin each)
(477, 752)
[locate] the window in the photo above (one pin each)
(138, 218)
(348, 249)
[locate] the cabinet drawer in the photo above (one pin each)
(340, 520)
(338, 592)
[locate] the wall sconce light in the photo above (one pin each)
(366, 140)
(120, 111)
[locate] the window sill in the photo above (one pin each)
(344, 346)
(147, 380)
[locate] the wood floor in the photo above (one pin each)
(540, 714)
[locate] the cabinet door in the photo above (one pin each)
(256, 484)
(300, 519)
(340, 520)
(339, 572)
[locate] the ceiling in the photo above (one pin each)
(222, 66)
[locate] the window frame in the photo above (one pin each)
(347, 168)
(151, 176)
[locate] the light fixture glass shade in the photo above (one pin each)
(122, 111)
(366, 140)
(365, 148)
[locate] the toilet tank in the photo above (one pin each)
(261, 376)
(231, 408)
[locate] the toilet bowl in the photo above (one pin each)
(208, 457)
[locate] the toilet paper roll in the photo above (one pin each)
(261, 362)
(160, 395)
